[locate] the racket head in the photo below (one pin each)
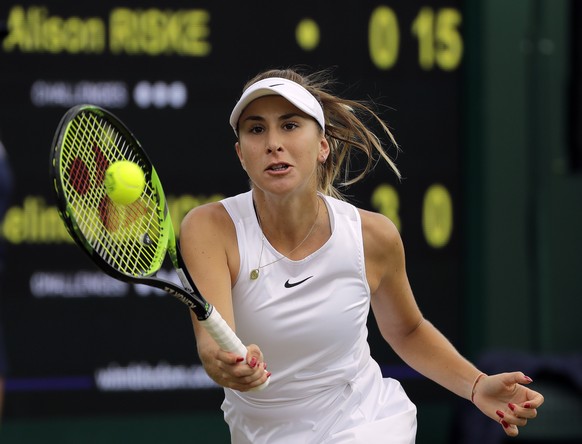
(126, 241)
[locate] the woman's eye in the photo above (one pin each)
(290, 125)
(256, 129)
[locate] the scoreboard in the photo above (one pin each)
(76, 339)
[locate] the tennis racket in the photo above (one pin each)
(128, 242)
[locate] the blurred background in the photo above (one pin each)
(485, 99)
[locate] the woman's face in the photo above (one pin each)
(280, 146)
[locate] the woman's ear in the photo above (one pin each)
(323, 150)
(239, 154)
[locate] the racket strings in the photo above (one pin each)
(128, 237)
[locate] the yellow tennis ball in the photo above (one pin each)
(124, 182)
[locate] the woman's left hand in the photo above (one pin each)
(505, 398)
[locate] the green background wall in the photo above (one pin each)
(525, 202)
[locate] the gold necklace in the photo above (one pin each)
(256, 271)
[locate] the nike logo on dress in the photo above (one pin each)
(294, 284)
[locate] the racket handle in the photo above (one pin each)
(227, 340)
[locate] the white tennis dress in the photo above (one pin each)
(309, 319)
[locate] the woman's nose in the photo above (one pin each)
(273, 144)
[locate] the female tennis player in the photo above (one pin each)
(295, 268)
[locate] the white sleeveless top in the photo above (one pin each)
(309, 319)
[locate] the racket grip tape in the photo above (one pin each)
(227, 339)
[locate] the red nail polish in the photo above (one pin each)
(240, 359)
(269, 375)
(527, 405)
(511, 406)
(528, 379)
(504, 424)
(500, 414)
(253, 362)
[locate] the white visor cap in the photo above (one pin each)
(277, 86)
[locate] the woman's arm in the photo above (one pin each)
(209, 247)
(501, 397)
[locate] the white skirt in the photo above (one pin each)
(369, 410)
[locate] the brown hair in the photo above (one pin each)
(345, 131)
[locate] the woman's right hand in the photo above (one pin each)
(232, 371)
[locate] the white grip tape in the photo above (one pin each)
(226, 338)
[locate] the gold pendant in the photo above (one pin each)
(254, 274)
